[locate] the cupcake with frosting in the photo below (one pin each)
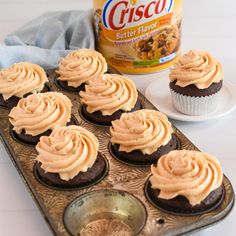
(141, 137)
(106, 98)
(69, 158)
(79, 67)
(38, 114)
(186, 182)
(20, 80)
(196, 81)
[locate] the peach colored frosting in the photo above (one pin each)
(191, 174)
(40, 112)
(109, 94)
(67, 151)
(144, 130)
(196, 67)
(20, 79)
(80, 66)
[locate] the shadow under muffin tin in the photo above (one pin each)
(119, 197)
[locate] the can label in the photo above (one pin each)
(138, 36)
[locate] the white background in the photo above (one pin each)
(208, 25)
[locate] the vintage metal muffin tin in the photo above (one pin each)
(118, 203)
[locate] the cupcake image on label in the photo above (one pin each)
(195, 83)
(106, 98)
(19, 80)
(39, 114)
(79, 67)
(141, 137)
(160, 45)
(188, 182)
(69, 158)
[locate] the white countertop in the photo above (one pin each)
(208, 25)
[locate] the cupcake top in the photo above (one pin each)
(20, 79)
(198, 68)
(67, 151)
(144, 130)
(109, 94)
(40, 112)
(191, 174)
(81, 66)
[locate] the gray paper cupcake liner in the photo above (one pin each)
(195, 106)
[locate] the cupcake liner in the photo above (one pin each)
(195, 106)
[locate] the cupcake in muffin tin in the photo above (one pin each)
(38, 114)
(141, 137)
(79, 67)
(196, 81)
(69, 158)
(106, 98)
(187, 182)
(20, 80)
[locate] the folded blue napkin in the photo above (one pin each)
(47, 38)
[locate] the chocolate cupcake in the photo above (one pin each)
(20, 80)
(196, 81)
(106, 98)
(188, 182)
(79, 67)
(69, 158)
(142, 137)
(38, 114)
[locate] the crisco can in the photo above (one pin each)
(138, 36)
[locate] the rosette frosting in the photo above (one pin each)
(67, 151)
(40, 112)
(196, 67)
(144, 130)
(109, 94)
(81, 66)
(191, 174)
(20, 79)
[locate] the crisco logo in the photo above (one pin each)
(118, 14)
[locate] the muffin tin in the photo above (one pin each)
(118, 203)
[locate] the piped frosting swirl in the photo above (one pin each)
(81, 66)
(144, 130)
(109, 94)
(67, 151)
(191, 174)
(20, 79)
(196, 67)
(40, 112)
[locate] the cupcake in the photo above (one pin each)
(106, 98)
(38, 114)
(79, 67)
(196, 81)
(141, 137)
(186, 182)
(20, 80)
(69, 158)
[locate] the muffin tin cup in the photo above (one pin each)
(137, 164)
(84, 186)
(107, 121)
(152, 200)
(9, 104)
(97, 211)
(24, 141)
(125, 179)
(63, 85)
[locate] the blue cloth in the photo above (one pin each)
(47, 38)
